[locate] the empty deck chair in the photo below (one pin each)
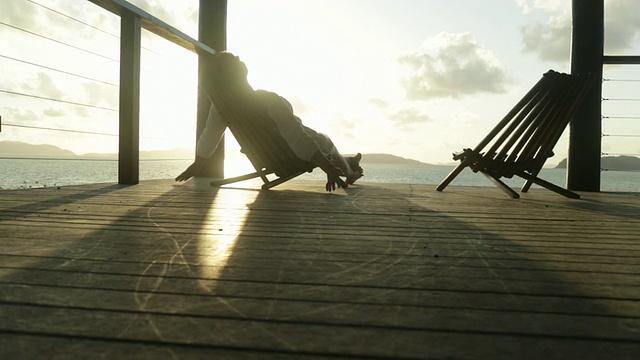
(524, 139)
(259, 139)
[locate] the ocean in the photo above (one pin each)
(34, 173)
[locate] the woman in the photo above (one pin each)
(228, 84)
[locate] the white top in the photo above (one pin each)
(298, 137)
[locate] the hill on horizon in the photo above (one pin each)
(17, 148)
(615, 163)
(388, 159)
(21, 149)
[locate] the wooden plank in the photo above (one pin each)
(375, 271)
(30, 346)
(354, 314)
(316, 339)
(69, 283)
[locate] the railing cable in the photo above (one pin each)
(74, 19)
(84, 158)
(59, 42)
(620, 99)
(622, 80)
(75, 131)
(62, 130)
(620, 154)
(56, 100)
(621, 117)
(58, 70)
(86, 24)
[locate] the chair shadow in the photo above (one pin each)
(375, 272)
(64, 198)
(367, 272)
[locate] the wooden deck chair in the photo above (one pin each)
(259, 139)
(524, 139)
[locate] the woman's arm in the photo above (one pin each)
(193, 169)
(333, 172)
(207, 143)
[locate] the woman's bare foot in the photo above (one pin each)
(357, 171)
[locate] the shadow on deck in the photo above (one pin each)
(376, 271)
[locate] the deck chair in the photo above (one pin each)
(259, 139)
(524, 139)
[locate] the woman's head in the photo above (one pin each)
(227, 71)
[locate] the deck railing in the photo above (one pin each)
(118, 76)
(620, 107)
(133, 20)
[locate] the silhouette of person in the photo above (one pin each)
(228, 79)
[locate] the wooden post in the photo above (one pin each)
(129, 142)
(587, 47)
(212, 31)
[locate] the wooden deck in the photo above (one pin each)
(164, 270)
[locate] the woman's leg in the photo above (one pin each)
(350, 166)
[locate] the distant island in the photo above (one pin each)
(17, 148)
(616, 163)
(388, 159)
(20, 149)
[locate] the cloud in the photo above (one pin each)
(347, 123)
(622, 24)
(43, 85)
(551, 40)
(524, 5)
(20, 14)
(101, 95)
(407, 117)
(54, 112)
(82, 111)
(16, 115)
(551, 6)
(379, 103)
(300, 106)
(180, 14)
(453, 65)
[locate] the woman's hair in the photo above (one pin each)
(227, 71)
(226, 82)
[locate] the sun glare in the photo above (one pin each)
(226, 220)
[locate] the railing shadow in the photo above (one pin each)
(63, 198)
(370, 272)
(377, 272)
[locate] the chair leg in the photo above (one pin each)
(452, 175)
(280, 180)
(501, 185)
(527, 185)
(225, 181)
(547, 185)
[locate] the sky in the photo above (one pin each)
(414, 78)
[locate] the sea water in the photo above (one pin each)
(31, 173)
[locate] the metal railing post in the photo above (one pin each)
(129, 133)
(583, 165)
(211, 32)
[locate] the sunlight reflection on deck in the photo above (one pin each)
(226, 218)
